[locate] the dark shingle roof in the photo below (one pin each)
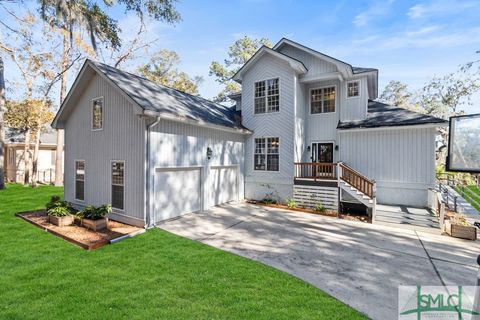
(18, 136)
(167, 101)
(362, 70)
(384, 115)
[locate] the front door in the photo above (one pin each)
(322, 152)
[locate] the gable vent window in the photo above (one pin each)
(267, 96)
(97, 114)
(353, 89)
(266, 154)
(80, 180)
(118, 184)
(322, 100)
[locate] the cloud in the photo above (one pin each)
(379, 9)
(438, 8)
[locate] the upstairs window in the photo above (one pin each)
(353, 89)
(80, 180)
(322, 100)
(118, 184)
(97, 114)
(267, 96)
(266, 155)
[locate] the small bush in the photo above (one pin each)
(58, 208)
(269, 201)
(291, 203)
(319, 208)
(95, 213)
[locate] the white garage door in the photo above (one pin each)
(177, 192)
(223, 185)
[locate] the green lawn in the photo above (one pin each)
(471, 194)
(153, 275)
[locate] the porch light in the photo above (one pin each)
(209, 153)
(308, 148)
(336, 147)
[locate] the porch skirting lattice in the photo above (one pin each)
(310, 196)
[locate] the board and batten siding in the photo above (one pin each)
(354, 108)
(176, 144)
(276, 124)
(122, 138)
(402, 161)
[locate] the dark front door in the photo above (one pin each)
(322, 152)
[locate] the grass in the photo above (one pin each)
(470, 194)
(153, 275)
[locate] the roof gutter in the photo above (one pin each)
(147, 192)
(395, 127)
(197, 123)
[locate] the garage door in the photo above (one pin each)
(177, 192)
(223, 185)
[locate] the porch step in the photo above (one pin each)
(357, 194)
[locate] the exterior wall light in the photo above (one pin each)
(308, 149)
(209, 153)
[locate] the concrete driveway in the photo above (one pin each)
(358, 263)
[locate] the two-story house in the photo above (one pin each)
(305, 126)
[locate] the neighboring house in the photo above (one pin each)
(305, 126)
(14, 156)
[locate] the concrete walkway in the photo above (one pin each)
(419, 219)
(360, 264)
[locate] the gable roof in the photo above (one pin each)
(158, 100)
(384, 115)
(294, 63)
(16, 136)
(341, 65)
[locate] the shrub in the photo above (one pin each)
(59, 208)
(319, 207)
(269, 201)
(291, 203)
(95, 213)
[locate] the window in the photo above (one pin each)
(118, 184)
(322, 152)
(353, 89)
(322, 100)
(266, 155)
(97, 114)
(267, 96)
(80, 180)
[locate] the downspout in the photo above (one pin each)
(148, 172)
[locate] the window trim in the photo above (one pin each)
(75, 179)
(103, 113)
(359, 88)
(266, 153)
(266, 96)
(124, 185)
(310, 100)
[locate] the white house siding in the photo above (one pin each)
(176, 144)
(122, 138)
(402, 161)
(279, 124)
(300, 118)
(354, 108)
(322, 127)
(315, 65)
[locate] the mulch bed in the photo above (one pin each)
(85, 238)
(327, 213)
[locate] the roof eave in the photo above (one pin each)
(395, 126)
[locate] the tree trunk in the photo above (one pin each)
(2, 126)
(35, 159)
(63, 93)
(26, 158)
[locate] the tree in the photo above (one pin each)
(2, 127)
(398, 94)
(162, 69)
(68, 15)
(238, 54)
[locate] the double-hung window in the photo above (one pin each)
(267, 96)
(353, 89)
(266, 155)
(118, 184)
(97, 114)
(322, 100)
(80, 180)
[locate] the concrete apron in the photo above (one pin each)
(358, 263)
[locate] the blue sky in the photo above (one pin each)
(410, 41)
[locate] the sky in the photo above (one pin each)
(409, 41)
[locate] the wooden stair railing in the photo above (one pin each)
(357, 180)
(316, 170)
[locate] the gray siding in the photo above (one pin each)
(175, 144)
(122, 138)
(354, 108)
(314, 65)
(402, 161)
